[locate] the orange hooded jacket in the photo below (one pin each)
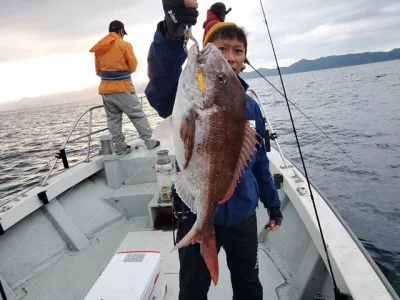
(112, 53)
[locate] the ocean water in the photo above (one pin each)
(358, 107)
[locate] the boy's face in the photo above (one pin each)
(234, 52)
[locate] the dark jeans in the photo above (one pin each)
(240, 243)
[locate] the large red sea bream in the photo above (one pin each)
(212, 142)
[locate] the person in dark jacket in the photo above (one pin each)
(215, 14)
(235, 221)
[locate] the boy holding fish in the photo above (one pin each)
(218, 134)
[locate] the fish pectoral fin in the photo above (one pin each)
(163, 129)
(187, 133)
(248, 147)
(183, 192)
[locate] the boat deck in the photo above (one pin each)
(57, 251)
(62, 281)
(162, 241)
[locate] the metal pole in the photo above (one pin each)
(270, 127)
(276, 142)
(76, 122)
(89, 136)
(48, 174)
(86, 135)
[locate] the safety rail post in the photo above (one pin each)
(89, 136)
(273, 134)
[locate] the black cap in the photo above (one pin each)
(116, 26)
(219, 9)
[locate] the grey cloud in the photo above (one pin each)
(311, 29)
(300, 16)
(62, 26)
(71, 17)
(308, 28)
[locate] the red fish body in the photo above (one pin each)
(212, 141)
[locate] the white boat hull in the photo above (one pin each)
(58, 250)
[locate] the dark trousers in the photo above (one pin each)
(240, 243)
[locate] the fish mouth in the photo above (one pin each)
(194, 50)
(206, 52)
(211, 56)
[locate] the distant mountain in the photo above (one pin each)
(334, 61)
(86, 95)
(89, 95)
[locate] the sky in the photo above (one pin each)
(44, 44)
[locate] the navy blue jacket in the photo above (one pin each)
(165, 61)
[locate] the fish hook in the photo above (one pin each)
(189, 36)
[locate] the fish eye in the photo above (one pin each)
(221, 78)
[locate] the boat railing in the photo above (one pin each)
(272, 135)
(91, 126)
(62, 154)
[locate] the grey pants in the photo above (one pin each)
(115, 105)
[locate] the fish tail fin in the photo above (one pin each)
(208, 249)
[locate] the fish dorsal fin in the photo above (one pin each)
(183, 192)
(249, 145)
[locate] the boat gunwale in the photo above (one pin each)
(367, 256)
(364, 251)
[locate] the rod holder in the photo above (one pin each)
(63, 155)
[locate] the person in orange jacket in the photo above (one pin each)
(115, 61)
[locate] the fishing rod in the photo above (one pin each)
(308, 118)
(338, 295)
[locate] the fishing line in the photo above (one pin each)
(173, 223)
(283, 95)
(338, 294)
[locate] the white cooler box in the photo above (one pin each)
(133, 275)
